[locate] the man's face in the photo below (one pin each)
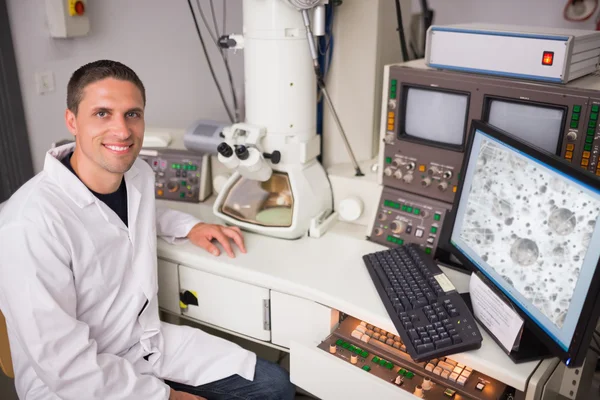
(109, 125)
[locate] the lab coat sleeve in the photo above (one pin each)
(172, 225)
(38, 298)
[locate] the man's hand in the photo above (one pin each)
(175, 395)
(202, 235)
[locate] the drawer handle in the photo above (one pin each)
(187, 298)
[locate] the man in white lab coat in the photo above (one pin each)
(78, 277)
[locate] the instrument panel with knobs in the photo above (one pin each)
(406, 218)
(382, 354)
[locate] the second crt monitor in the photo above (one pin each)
(528, 221)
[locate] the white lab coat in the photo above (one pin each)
(73, 279)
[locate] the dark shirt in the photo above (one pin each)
(117, 201)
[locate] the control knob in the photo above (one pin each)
(388, 171)
(572, 136)
(447, 174)
(408, 178)
(353, 359)
(399, 226)
(172, 186)
(434, 171)
(443, 186)
(382, 217)
(398, 174)
(418, 391)
(350, 209)
(410, 166)
(392, 104)
(426, 385)
(332, 348)
(389, 139)
(426, 182)
(378, 231)
(397, 162)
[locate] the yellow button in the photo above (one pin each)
(586, 154)
(585, 162)
(421, 168)
(391, 121)
(598, 172)
(570, 147)
(390, 127)
(454, 189)
(159, 192)
(569, 154)
(390, 114)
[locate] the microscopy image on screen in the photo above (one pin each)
(531, 227)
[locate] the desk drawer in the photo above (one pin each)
(226, 303)
(331, 378)
(168, 286)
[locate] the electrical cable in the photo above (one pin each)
(403, 48)
(210, 67)
(236, 109)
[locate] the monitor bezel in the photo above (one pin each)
(487, 106)
(586, 324)
(402, 135)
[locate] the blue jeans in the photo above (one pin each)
(271, 382)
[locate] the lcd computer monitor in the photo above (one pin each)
(538, 124)
(528, 221)
(435, 116)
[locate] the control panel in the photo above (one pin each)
(179, 175)
(426, 116)
(407, 218)
(382, 354)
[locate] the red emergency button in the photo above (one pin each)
(548, 58)
(79, 8)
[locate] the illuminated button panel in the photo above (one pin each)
(382, 355)
(589, 159)
(406, 218)
(178, 175)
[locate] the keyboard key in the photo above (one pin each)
(365, 338)
(466, 373)
(413, 334)
(361, 329)
(429, 367)
(357, 334)
(453, 377)
(437, 371)
(456, 339)
(443, 343)
(453, 313)
(451, 362)
(461, 380)
(445, 365)
(445, 374)
(457, 369)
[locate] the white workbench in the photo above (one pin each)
(329, 271)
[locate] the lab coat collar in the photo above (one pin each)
(73, 187)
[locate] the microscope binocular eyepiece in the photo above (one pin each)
(225, 150)
(242, 152)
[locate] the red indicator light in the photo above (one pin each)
(548, 58)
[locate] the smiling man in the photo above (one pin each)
(78, 274)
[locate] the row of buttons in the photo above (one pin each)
(589, 138)
(409, 209)
(393, 89)
(391, 121)
(450, 369)
(575, 117)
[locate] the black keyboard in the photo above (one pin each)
(429, 314)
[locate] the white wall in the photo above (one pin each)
(156, 38)
(516, 12)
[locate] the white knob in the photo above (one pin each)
(408, 178)
(398, 380)
(378, 231)
(572, 135)
(219, 182)
(410, 166)
(426, 182)
(398, 174)
(447, 174)
(399, 226)
(418, 391)
(332, 348)
(388, 171)
(389, 139)
(434, 170)
(350, 209)
(392, 104)
(443, 186)
(353, 359)
(426, 385)
(397, 162)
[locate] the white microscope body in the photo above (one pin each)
(278, 188)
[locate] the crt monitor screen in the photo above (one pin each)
(536, 124)
(436, 116)
(528, 226)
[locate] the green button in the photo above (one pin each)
(434, 229)
(589, 139)
(382, 362)
(574, 124)
(388, 160)
(392, 95)
(428, 250)
(437, 217)
(416, 211)
(402, 372)
(366, 368)
(575, 117)
(390, 238)
(394, 81)
(375, 359)
(577, 109)
(182, 195)
(400, 241)
(364, 354)
(409, 209)
(357, 351)
(591, 131)
(346, 345)
(403, 207)
(389, 365)
(183, 183)
(592, 124)
(594, 116)
(352, 348)
(339, 342)
(409, 374)
(595, 108)
(588, 147)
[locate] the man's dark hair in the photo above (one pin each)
(96, 71)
